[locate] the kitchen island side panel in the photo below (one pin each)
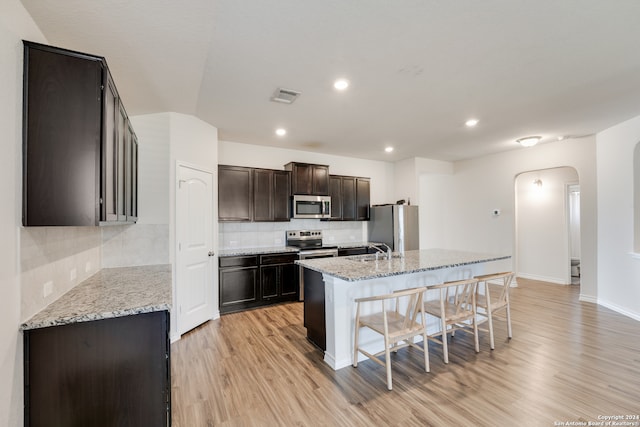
(314, 308)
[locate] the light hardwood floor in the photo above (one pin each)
(567, 361)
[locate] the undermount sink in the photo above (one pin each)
(372, 257)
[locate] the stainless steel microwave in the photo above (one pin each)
(311, 206)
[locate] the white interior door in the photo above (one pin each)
(194, 252)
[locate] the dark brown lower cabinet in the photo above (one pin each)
(251, 281)
(110, 372)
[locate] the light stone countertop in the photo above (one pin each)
(364, 267)
(111, 292)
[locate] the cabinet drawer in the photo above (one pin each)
(238, 261)
(287, 258)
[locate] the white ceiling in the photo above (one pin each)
(418, 68)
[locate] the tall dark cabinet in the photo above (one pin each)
(79, 149)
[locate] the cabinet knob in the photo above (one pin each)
(211, 253)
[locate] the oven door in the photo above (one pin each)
(310, 254)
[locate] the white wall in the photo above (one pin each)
(477, 186)
(146, 242)
(618, 267)
(542, 225)
(15, 25)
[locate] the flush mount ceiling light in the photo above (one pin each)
(471, 123)
(529, 141)
(388, 149)
(281, 132)
(341, 84)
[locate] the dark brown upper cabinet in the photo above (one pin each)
(349, 198)
(281, 188)
(249, 194)
(309, 179)
(335, 191)
(363, 199)
(75, 155)
(235, 193)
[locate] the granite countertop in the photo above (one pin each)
(363, 267)
(111, 292)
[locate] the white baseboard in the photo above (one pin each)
(543, 278)
(174, 337)
(618, 309)
(588, 298)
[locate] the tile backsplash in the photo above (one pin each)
(272, 234)
(131, 245)
(53, 260)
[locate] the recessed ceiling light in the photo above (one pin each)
(281, 132)
(341, 84)
(388, 149)
(471, 122)
(529, 141)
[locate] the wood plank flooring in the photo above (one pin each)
(567, 361)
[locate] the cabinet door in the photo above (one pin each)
(335, 191)
(289, 280)
(263, 195)
(302, 179)
(348, 198)
(62, 122)
(320, 180)
(235, 193)
(132, 213)
(131, 174)
(238, 288)
(362, 199)
(269, 281)
(110, 148)
(121, 158)
(281, 199)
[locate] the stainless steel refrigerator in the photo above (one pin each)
(395, 225)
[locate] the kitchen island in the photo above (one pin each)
(332, 285)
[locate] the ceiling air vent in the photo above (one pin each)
(286, 96)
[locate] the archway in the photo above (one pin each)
(545, 248)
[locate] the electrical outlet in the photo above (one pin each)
(73, 275)
(47, 289)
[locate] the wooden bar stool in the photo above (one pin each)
(456, 310)
(494, 300)
(397, 321)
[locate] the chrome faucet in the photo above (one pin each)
(380, 250)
